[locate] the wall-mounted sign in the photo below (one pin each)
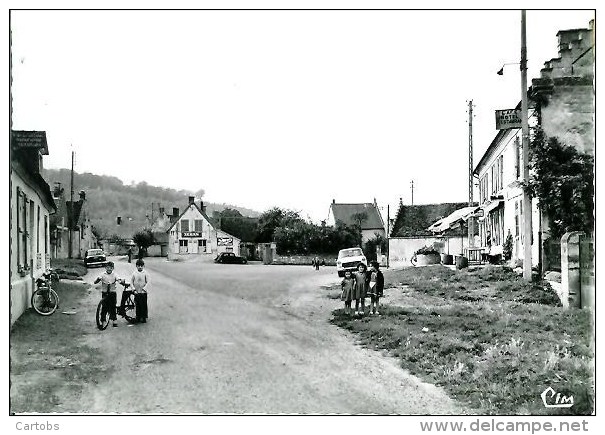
(225, 241)
(508, 118)
(191, 234)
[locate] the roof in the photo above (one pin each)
(184, 211)
(453, 219)
(414, 220)
(345, 213)
(29, 139)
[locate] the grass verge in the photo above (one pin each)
(483, 336)
(49, 363)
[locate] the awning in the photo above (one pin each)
(451, 221)
(491, 206)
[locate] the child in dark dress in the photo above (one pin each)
(376, 287)
(348, 285)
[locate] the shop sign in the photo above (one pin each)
(508, 118)
(225, 241)
(191, 234)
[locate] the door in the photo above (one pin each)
(183, 245)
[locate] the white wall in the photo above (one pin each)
(38, 246)
(401, 249)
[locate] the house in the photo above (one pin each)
(72, 220)
(192, 232)
(416, 226)
(562, 104)
(31, 205)
(366, 215)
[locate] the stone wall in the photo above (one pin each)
(303, 260)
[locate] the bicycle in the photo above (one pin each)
(126, 310)
(45, 300)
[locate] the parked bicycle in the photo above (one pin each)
(126, 310)
(45, 300)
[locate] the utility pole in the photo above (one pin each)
(471, 222)
(412, 186)
(388, 231)
(70, 220)
(527, 211)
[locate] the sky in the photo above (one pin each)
(276, 108)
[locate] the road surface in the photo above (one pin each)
(245, 339)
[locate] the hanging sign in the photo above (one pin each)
(508, 118)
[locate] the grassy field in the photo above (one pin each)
(48, 360)
(490, 339)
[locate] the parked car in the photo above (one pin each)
(95, 257)
(229, 258)
(349, 259)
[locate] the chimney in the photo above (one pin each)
(82, 195)
(175, 212)
(333, 201)
(202, 207)
(375, 203)
(191, 200)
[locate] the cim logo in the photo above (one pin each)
(552, 399)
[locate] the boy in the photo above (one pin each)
(376, 287)
(139, 281)
(108, 288)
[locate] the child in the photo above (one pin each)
(348, 286)
(360, 289)
(108, 288)
(139, 282)
(376, 289)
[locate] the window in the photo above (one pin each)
(201, 243)
(198, 225)
(38, 227)
(24, 231)
(516, 218)
(184, 225)
(183, 243)
(500, 172)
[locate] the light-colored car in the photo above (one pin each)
(95, 257)
(349, 259)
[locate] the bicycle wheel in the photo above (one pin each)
(130, 310)
(45, 301)
(102, 322)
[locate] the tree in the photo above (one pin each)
(369, 249)
(143, 239)
(562, 178)
(270, 220)
(359, 218)
(234, 223)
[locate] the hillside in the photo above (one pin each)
(108, 197)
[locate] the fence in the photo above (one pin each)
(551, 255)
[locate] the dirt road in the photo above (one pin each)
(244, 339)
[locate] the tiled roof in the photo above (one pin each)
(345, 213)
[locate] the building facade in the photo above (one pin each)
(31, 204)
(193, 233)
(366, 215)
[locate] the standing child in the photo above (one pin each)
(376, 289)
(361, 288)
(108, 288)
(348, 286)
(139, 282)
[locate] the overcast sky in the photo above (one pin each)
(275, 108)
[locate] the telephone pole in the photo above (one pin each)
(471, 222)
(70, 220)
(412, 186)
(527, 211)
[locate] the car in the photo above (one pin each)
(95, 257)
(229, 258)
(349, 259)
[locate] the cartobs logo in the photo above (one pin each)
(552, 399)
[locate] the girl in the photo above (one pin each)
(361, 288)
(348, 286)
(376, 287)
